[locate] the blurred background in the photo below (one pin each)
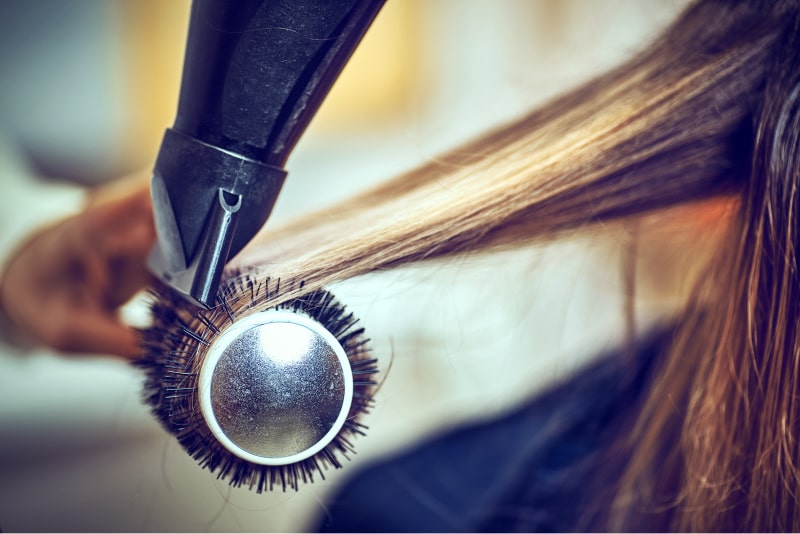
(86, 90)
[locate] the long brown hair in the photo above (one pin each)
(734, 368)
(710, 109)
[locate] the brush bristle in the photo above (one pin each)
(174, 348)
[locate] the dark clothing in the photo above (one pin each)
(537, 468)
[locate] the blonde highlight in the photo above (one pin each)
(708, 111)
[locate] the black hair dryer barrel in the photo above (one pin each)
(254, 74)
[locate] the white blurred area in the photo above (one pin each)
(87, 90)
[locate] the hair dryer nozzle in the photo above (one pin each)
(208, 204)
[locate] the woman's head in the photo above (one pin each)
(710, 110)
(703, 122)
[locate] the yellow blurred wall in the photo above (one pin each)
(375, 86)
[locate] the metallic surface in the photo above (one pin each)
(275, 388)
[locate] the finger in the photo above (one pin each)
(130, 279)
(132, 204)
(120, 233)
(111, 217)
(124, 186)
(134, 240)
(90, 333)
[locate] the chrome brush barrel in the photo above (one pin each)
(275, 388)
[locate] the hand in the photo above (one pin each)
(63, 287)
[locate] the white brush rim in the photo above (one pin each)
(223, 341)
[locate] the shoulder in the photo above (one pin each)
(531, 468)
